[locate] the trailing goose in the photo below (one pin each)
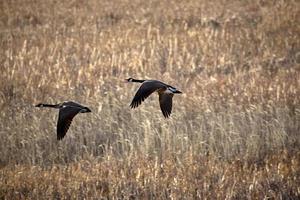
(165, 93)
(67, 111)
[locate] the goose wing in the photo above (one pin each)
(165, 102)
(66, 115)
(145, 90)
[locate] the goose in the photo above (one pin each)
(165, 93)
(67, 111)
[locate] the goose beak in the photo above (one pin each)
(178, 92)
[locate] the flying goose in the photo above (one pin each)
(165, 93)
(67, 111)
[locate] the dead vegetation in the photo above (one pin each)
(233, 134)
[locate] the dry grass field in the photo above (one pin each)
(234, 132)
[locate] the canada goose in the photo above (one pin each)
(67, 111)
(165, 92)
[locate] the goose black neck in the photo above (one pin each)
(48, 105)
(138, 81)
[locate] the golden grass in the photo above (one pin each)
(143, 178)
(233, 134)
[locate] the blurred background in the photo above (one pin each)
(236, 62)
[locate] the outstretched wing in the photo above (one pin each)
(66, 115)
(165, 102)
(145, 90)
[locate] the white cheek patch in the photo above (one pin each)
(168, 91)
(84, 110)
(171, 90)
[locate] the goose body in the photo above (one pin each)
(165, 93)
(67, 111)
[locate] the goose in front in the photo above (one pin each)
(165, 93)
(67, 111)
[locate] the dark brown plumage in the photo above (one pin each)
(165, 92)
(67, 111)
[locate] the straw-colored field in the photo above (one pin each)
(234, 132)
